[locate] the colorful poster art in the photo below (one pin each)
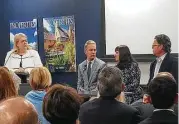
(27, 27)
(59, 44)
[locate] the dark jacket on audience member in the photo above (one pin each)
(108, 111)
(145, 109)
(161, 117)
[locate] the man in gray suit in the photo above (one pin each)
(88, 70)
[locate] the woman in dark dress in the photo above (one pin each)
(131, 73)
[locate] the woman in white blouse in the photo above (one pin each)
(22, 58)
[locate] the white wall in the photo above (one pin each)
(144, 67)
(136, 22)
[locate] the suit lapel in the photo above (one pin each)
(164, 63)
(153, 69)
(85, 72)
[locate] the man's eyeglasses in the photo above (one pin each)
(155, 45)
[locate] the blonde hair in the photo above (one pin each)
(40, 78)
(16, 40)
(7, 86)
(89, 42)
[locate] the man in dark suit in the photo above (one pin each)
(88, 70)
(164, 61)
(107, 109)
(162, 92)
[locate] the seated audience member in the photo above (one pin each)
(61, 105)
(144, 107)
(120, 97)
(162, 92)
(7, 86)
(17, 111)
(40, 80)
(15, 78)
(107, 109)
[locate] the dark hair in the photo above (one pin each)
(165, 41)
(163, 90)
(125, 58)
(61, 105)
(110, 82)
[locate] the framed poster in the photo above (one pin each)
(27, 27)
(59, 44)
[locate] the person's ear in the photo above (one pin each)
(176, 99)
(146, 99)
(161, 46)
(122, 87)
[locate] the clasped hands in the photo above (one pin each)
(21, 70)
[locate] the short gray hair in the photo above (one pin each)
(110, 82)
(89, 42)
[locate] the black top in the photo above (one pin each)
(108, 111)
(161, 117)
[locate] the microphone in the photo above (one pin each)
(9, 57)
(20, 62)
(85, 67)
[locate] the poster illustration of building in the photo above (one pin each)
(27, 27)
(59, 44)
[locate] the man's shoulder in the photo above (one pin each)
(99, 61)
(173, 58)
(118, 105)
(146, 121)
(128, 108)
(82, 63)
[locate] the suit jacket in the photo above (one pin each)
(145, 110)
(108, 111)
(169, 64)
(89, 86)
(161, 117)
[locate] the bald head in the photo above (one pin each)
(166, 74)
(17, 111)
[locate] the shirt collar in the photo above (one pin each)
(163, 109)
(163, 56)
(90, 61)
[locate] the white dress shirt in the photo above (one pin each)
(91, 63)
(158, 64)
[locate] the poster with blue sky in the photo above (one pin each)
(59, 44)
(28, 27)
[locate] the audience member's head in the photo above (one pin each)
(40, 78)
(110, 82)
(61, 105)
(7, 86)
(16, 79)
(17, 110)
(163, 91)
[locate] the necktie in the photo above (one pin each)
(89, 70)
